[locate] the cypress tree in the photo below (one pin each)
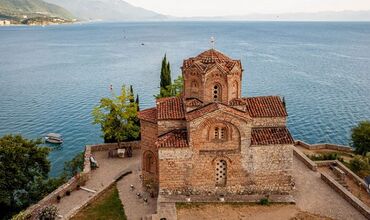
(137, 102)
(132, 96)
(168, 72)
(164, 73)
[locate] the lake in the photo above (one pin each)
(52, 77)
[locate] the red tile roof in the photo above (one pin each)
(149, 114)
(267, 136)
(210, 58)
(210, 108)
(170, 108)
(173, 139)
(265, 106)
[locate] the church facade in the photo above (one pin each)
(211, 140)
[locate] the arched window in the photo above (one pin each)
(216, 133)
(235, 90)
(220, 133)
(194, 84)
(149, 164)
(216, 93)
(194, 88)
(221, 173)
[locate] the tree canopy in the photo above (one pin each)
(167, 87)
(24, 169)
(361, 137)
(117, 117)
(165, 73)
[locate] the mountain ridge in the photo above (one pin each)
(20, 9)
(107, 10)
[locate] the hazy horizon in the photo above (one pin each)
(208, 8)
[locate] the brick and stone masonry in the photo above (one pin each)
(210, 140)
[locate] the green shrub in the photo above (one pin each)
(264, 201)
(48, 213)
(360, 166)
(325, 156)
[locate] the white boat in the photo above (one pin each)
(54, 138)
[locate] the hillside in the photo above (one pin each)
(18, 9)
(107, 10)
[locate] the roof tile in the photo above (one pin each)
(173, 139)
(267, 136)
(149, 114)
(265, 106)
(170, 108)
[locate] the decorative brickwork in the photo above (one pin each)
(212, 141)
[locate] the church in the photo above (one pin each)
(212, 141)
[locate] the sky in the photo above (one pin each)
(190, 8)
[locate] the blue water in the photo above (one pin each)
(51, 77)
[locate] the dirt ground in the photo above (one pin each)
(241, 212)
(314, 200)
(354, 188)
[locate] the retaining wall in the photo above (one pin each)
(323, 146)
(354, 201)
(80, 179)
(302, 157)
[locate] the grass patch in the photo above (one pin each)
(107, 206)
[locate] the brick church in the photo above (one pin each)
(211, 140)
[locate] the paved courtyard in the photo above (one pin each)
(101, 177)
(315, 196)
(134, 206)
(312, 194)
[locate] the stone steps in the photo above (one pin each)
(342, 182)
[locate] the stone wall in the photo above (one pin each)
(165, 126)
(353, 200)
(78, 180)
(302, 157)
(149, 134)
(324, 146)
(50, 199)
(351, 174)
(112, 146)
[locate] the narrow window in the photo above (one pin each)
(216, 133)
(222, 134)
(221, 173)
(216, 93)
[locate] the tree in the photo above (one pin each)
(165, 78)
(116, 117)
(361, 137)
(176, 87)
(24, 170)
(74, 166)
(165, 73)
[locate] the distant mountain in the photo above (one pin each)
(314, 16)
(18, 9)
(107, 10)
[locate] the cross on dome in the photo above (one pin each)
(213, 42)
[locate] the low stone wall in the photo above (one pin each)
(354, 201)
(79, 179)
(50, 199)
(325, 163)
(302, 157)
(95, 196)
(342, 148)
(351, 174)
(112, 146)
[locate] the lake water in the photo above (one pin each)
(52, 77)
